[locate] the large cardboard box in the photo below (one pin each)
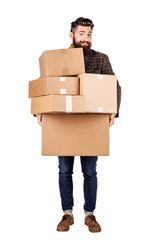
(75, 135)
(100, 92)
(57, 103)
(62, 62)
(54, 85)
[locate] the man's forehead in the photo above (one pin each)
(84, 29)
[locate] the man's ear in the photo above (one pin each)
(71, 35)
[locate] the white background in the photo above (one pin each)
(128, 180)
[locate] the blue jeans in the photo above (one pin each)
(88, 165)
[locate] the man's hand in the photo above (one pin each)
(111, 119)
(39, 116)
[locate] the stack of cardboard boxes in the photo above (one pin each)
(74, 105)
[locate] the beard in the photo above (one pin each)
(83, 44)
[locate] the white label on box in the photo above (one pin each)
(62, 79)
(100, 109)
(63, 91)
(68, 103)
(99, 76)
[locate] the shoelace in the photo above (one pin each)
(92, 218)
(65, 217)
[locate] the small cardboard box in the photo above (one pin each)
(57, 103)
(62, 62)
(54, 85)
(75, 135)
(100, 92)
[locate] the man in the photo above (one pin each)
(95, 62)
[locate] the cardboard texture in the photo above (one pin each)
(100, 92)
(57, 103)
(75, 135)
(62, 62)
(54, 85)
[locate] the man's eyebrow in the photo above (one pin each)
(85, 31)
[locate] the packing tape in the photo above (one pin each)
(65, 71)
(62, 79)
(100, 109)
(68, 103)
(63, 91)
(99, 76)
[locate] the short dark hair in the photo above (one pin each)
(81, 22)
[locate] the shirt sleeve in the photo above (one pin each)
(107, 69)
(106, 66)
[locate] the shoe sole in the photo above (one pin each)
(93, 231)
(64, 230)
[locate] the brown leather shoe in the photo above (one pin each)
(92, 224)
(64, 224)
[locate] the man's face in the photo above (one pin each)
(82, 37)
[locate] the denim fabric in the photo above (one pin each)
(88, 164)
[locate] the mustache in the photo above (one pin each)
(85, 42)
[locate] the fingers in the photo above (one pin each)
(40, 119)
(111, 119)
(40, 123)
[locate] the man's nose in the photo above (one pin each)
(86, 38)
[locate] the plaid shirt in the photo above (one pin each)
(96, 62)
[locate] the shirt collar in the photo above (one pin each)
(71, 46)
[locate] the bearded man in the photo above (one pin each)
(95, 62)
